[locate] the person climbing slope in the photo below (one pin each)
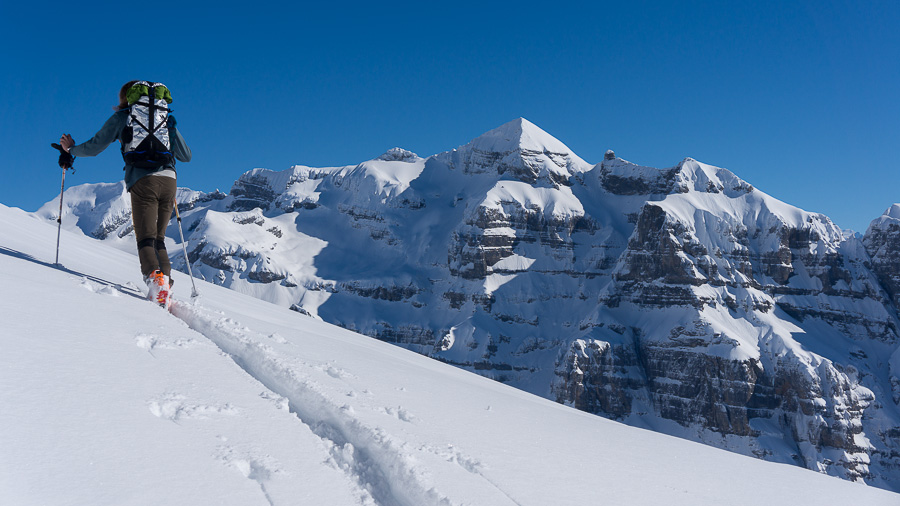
(150, 145)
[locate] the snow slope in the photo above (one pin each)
(105, 399)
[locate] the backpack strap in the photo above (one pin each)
(152, 101)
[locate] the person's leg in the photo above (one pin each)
(167, 187)
(144, 204)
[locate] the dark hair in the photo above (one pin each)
(123, 102)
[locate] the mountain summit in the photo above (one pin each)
(521, 149)
(519, 134)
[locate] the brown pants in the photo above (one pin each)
(152, 199)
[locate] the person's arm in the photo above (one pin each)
(100, 141)
(179, 147)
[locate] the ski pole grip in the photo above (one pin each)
(66, 160)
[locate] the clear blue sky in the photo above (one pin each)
(798, 98)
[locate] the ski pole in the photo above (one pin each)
(194, 292)
(65, 161)
(62, 188)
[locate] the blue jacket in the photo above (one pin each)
(112, 131)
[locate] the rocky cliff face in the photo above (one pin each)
(882, 241)
(681, 299)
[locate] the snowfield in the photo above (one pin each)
(108, 400)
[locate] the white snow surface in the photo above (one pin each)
(106, 399)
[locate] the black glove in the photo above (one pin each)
(66, 160)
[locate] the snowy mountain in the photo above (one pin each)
(682, 300)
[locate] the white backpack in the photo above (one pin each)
(145, 140)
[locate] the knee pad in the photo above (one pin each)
(149, 242)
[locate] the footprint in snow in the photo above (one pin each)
(334, 371)
(151, 342)
(280, 402)
(174, 407)
(400, 413)
(108, 290)
(278, 338)
(102, 289)
(252, 469)
(251, 466)
(87, 285)
(451, 454)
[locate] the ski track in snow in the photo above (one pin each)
(378, 462)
